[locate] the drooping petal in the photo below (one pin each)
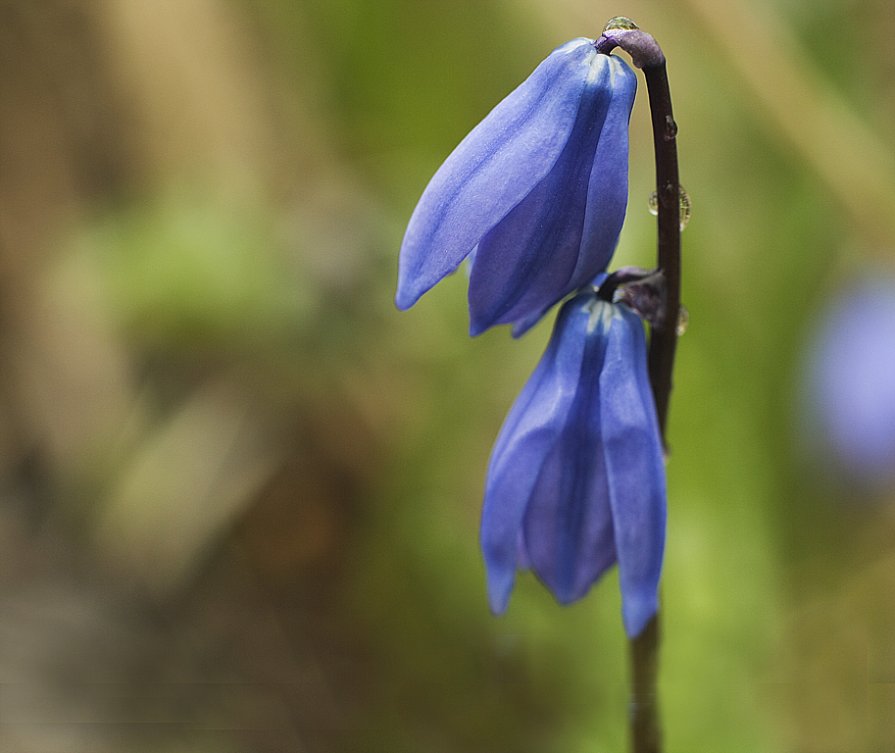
(568, 523)
(635, 468)
(578, 470)
(521, 326)
(607, 190)
(528, 433)
(492, 170)
(565, 230)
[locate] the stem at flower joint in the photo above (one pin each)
(647, 55)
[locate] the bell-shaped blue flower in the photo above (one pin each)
(535, 194)
(851, 384)
(576, 480)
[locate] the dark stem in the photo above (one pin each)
(646, 54)
(646, 734)
(663, 340)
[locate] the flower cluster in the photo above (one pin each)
(534, 197)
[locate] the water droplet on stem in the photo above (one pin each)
(686, 209)
(670, 128)
(683, 320)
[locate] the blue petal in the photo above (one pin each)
(521, 326)
(607, 190)
(578, 468)
(635, 468)
(525, 439)
(568, 522)
(565, 230)
(493, 169)
(547, 478)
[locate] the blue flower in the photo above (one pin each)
(576, 480)
(851, 385)
(535, 194)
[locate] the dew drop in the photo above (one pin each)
(670, 128)
(686, 209)
(620, 22)
(683, 321)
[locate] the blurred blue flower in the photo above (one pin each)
(535, 195)
(851, 385)
(576, 480)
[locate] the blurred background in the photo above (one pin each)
(239, 491)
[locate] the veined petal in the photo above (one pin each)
(527, 436)
(568, 523)
(493, 169)
(565, 230)
(635, 468)
(576, 480)
(607, 190)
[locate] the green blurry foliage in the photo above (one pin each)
(185, 269)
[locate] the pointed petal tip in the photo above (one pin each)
(500, 586)
(521, 326)
(497, 610)
(479, 325)
(564, 595)
(476, 328)
(637, 611)
(406, 296)
(498, 602)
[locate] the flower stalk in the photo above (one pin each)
(647, 55)
(663, 339)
